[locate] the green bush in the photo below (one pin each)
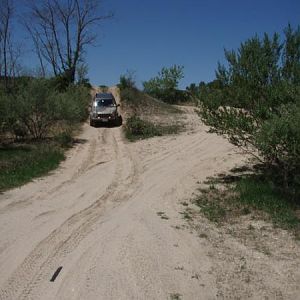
(37, 107)
(130, 95)
(279, 142)
(255, 102)
(64, 139)
(73, 104)
(59, 83)
(136, 127)
(127, 81)
(165, 85)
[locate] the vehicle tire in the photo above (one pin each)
(92, 123)
(120, 120)
(115, 122)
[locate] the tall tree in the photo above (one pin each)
(61, 31)
(6, 14)
(291, 55)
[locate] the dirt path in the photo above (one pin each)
(109, 216)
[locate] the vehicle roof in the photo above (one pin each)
(104, 96)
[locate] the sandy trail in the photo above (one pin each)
(99, 217)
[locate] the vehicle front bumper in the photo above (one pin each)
(103, 117)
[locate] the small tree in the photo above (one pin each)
(127, 81)
(165, 85)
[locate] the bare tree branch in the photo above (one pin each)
(61, 31)
(6, 13)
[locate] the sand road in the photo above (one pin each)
(99, 217)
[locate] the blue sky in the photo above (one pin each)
(146, 35)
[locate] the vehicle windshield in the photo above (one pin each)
(104, 102)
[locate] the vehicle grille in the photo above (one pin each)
(104, 115)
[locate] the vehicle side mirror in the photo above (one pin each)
(118, 104)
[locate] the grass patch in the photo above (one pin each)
(263, 196)
(21, 163)
(213, 210)
(137, 129)
(248, 195)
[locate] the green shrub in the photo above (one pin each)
(73, 104)
(64, 139)
(165, 85)
(35, 107)
(59, 83)
(127, 81)
(137, 128)
(38, 107)
(130, 95)
(255, 102)
(279, 143)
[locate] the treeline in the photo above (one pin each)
(164, 86)
(56, 90)
(255, 102)
(57, 32)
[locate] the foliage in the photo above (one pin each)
(104, 88)
(136, 128)
(261, 194)
(165, 85)
(64, 138)
(194, 89)
(255, 101)
(279, 142)
(60, 82)
(36, 106)
(248, 194)
(82, 73)
(73, 104)
(19, 165)
(127, 81)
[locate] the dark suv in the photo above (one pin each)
(104, 109)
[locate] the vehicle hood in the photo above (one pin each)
(106, 110)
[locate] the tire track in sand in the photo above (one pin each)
(40, 263)
(84, 165)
